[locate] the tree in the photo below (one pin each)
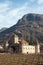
(32, 42)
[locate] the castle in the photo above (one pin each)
(17, 45)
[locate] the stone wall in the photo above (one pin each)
(28, 49)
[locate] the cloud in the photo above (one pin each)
(8, 16)
(16, 13)
(3, 7)
(40, 1)
(36, 1)
(32, 0)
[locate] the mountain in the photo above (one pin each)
(29, 27)
(3, 29)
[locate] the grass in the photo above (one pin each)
(20, 59)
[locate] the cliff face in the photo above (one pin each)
(30, 27)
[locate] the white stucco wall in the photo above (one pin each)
(28, 49)
(1, 47)
(6, 44)
(16, 39)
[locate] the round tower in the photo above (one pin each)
(38, 47)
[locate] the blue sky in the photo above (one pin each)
(12, 10)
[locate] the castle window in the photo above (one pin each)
(27, 52)
(28, 48)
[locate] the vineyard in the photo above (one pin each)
(20, 59)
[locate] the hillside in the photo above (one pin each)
(20, 59)
(30, 27)
(3, 29)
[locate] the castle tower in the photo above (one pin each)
(5, 46)
(6, 43)
(37, 48)
(16, 39)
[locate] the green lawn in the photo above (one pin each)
(20, 59)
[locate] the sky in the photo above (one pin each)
(13, 10)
